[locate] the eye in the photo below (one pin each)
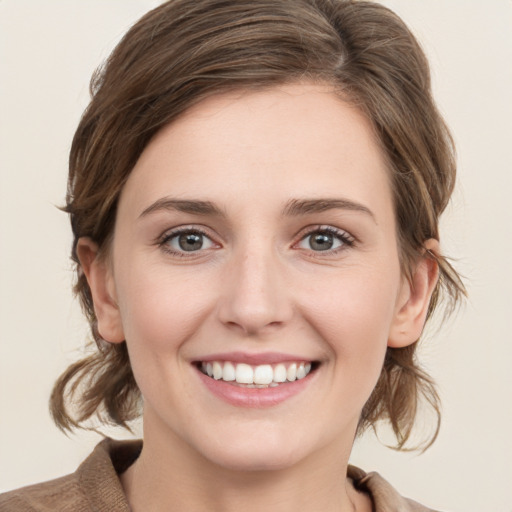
(325, 239)
(189, 240)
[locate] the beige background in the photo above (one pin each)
(48, 50)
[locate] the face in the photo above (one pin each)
(255, 242)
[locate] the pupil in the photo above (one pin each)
(190, 241)
(321, 242)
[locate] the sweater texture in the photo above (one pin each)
(95, 486)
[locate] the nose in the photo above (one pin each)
(255, 298)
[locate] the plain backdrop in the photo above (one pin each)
(48, 50)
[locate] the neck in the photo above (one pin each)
(170, 475)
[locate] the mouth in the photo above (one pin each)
(260, 376)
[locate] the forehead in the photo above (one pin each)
(289, 141)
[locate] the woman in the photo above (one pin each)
(254, 193)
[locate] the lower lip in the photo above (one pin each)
(254, 397)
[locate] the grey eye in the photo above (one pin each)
(190, 241)
(321, 241)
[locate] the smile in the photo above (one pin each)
(256, 376)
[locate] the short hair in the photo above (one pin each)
(187, 50)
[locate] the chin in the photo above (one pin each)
(255, 460)
(254, 453)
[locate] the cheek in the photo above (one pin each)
(160, 314)
(158, 310)
(353, 314)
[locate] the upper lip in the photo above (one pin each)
(254, 359)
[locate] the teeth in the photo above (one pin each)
(217, 370)
(261, 376)
(291, 373)
(229, 373)
(244, 374)
(279, 373)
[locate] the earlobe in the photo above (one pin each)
(101, 282)
(414, 299)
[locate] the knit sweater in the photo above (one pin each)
(95, 486)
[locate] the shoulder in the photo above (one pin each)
(94, 486)
(60, 494)
(384, 496)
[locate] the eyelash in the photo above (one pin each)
(163, 242)
(346, 240)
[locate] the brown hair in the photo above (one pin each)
(187, 50)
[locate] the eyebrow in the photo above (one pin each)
(183, 205)
(293, 208)
(297, 207)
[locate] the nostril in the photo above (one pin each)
(254, 300)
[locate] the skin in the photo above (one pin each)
(256, 285)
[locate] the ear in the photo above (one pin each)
(99, 276)
(414, 299)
